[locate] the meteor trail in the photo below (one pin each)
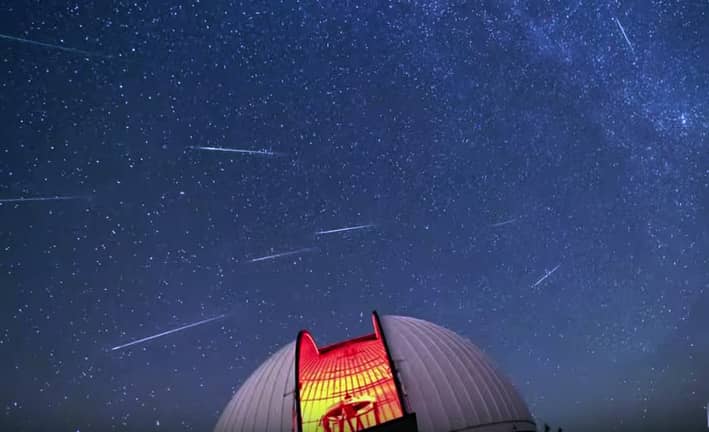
(503, 223)
(233, 150)
(53, 46)
(50, 198)
(546, 275)
(622, 30)
(145, 339)
(282, 254)
(352, 228)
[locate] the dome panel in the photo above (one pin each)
(448, 382)
(265, 401)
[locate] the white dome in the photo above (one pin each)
(446, 381)
(264, 402)
(449, 383)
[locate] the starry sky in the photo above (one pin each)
(487, 143)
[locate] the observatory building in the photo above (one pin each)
(408, 375)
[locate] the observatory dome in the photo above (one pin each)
(409, 375)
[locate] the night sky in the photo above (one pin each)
(486, 143)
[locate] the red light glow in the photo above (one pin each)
(346, 387)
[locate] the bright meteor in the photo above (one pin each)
(546, 275)
(49, 198)
(503, 223)
(625, 35)
(52, 46)
(233, 150)
(337, 230)
(282, 254)
(165, 333)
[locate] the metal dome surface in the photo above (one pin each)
(264, 403)
(447, 381)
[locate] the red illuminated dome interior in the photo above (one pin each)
(345, 387)
(408, 375)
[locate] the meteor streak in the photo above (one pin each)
(50, 198)
(233, 150)
(52, 46)
(165, 333)
(546, 275)
(622, 30)
(282, 254)
(352, 228)
(503, 223)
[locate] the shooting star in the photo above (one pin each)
(622, 30)
(50, 198)
(233, 150)
(282, 254)
(337, 230)
(52, 46)
(182, 263)
(503, 223)
(546, 275)
(165, 333)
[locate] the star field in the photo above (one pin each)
(533, 175)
